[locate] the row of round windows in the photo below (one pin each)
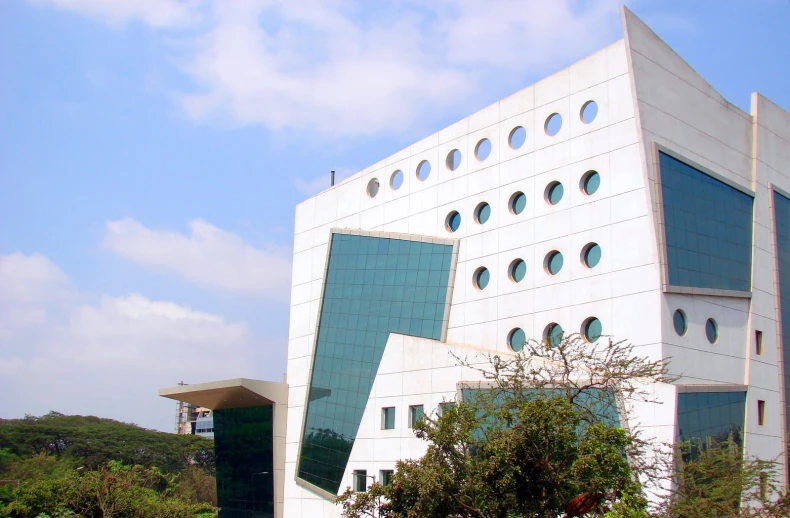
(553, 193)
(591, 330)
(552, 264)
(680, 322)
(516, 139)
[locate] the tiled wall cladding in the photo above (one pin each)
(708, 227)
(374, 286)
(705, 418)
(244, 457)
(782, 222)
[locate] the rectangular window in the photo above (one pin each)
(445, 406)
(360, 480)
(388, 418)
(385, 476)
(758, 342)
(415, 414)
(761, 412)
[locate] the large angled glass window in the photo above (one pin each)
(782, 223)
(709, 418)
(708, 229)
(374, 286)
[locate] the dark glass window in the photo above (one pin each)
(453, 221)
(592, 255)
(244, 461)
(388, 418)
(782, 229)
(761, 412)
(705, 418)
(516, 339)
(554, 262)
(679, 321)
(518, 202)
(554, 193)
(415, 414)
(360, 480)
(374, 286)
(553, 334)
(481, 278)
(592, 180)
(758, 342)
(385, 476)
(517, 270)
(447, 405)
(712, 330)
(592, 329)
(482, 212)
(708, 229)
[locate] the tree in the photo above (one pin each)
(540, 433)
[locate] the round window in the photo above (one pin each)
(588, 112)
(423, 170)
(396, 180)
(373, 187)
(517, 137)
(591, 255)
(517, 270)
(553, 334)
(553, 262)
(481, 278)
(483, 149)
(517, 203)
(453, 221)
(679, 321)
(553, 124)
(592, 329)
(554, 192)
(590, 182)
(516, 339)
(712, 330)
(482, 212)
(453, 160)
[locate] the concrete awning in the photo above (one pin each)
(232, 393)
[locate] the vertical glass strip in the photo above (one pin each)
(782, 229)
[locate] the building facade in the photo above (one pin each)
(621, 196)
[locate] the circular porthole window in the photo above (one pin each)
(554, 192)
(553, 262)
(553, 334)
(679, 321)
(590, 182)
(517, 203)
(592, 329)
(588, 112)
(423, 170)
(482, 212)
(453, 160)
(481, 278)
(553, 124)
(591, 255)
(712, 330)
(453, 221)
(517, 270)
(483, 149)
(517, 137)
(396, 180)
(373, 187)
(516, 339)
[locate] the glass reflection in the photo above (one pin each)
(708, 418)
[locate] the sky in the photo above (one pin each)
(152, 153)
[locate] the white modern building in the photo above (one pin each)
(621, 196)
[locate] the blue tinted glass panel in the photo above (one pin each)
(423, 170)
(374, 286)
(483, 213)
(705, 418)
(782, 229)
(589, 112)
(482, 277)
(396, 180)
(708, 229)
(517, 339)
(483, 149)
(454, 221)
(243, 449)
(679, 321)
(592, 256)
(518, 270)
(555, 263)
(711, 330)
(555, 193)
(518, 203)
(553, 124)
(592, 182)
(517, 137)
(453, 160)
(593, 330)
(388, 418)
(554, 334)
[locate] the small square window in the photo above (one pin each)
(415, 414)
(388, 418)
(761, 412)
(758, 342)
(385, 476)
(447, 405)
(360, 480)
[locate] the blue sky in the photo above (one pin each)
(152, 153)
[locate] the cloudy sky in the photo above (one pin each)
(152, 152)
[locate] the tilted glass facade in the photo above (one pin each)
(374, 286)
(244, 449)
(707, 418)
(708, 229)
(782, 229)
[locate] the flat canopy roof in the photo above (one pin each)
(232, 393)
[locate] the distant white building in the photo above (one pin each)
(621, 196)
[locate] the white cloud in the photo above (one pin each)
(157, 13)
(105, 357)
(208, 256)
(349, 67)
